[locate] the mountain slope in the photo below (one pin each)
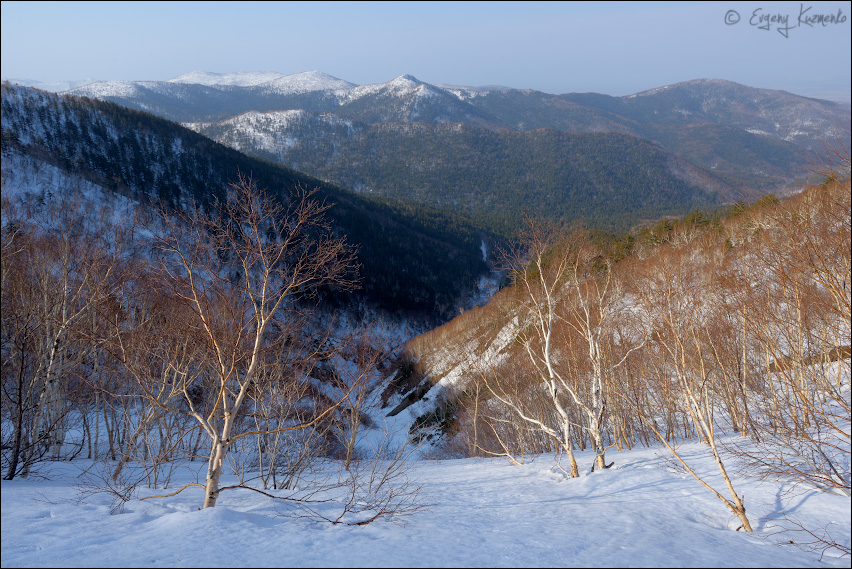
(242, 79)
(608, 179)
(768, 112)
(401, 99)
(771, 135)
(145, 157)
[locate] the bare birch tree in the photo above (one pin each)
(239, 269)
(680, 369)
(574, 302)
(801, 321)
(540, 263)
(69, 260)
(595, 313)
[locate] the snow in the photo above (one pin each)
(790, 136)
(269, 131)
(465, 92)
(240, 79)
(27, 179)
(642, 512)
(52, 86)
(102, 89)
(400, 86)
(481, 512)
(305, 82)
(269, 81)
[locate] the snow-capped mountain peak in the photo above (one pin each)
(52, 86)
(305, 82)
(239, 79)
(405, 82)
(400, 86)
(102, 89)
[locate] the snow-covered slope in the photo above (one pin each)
(269, 82)
(29, 179)
(406, 88)
(273, 132)
(202, 95)
(240, 79)
(264, 83)
(52, 86)
(305, 82)
(104, 89)
(481, 513)
(179, 91)
(766, 112)
(464, 92)
(399, 86)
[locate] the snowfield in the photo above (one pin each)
(481, 512)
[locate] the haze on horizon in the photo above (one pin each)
(617, 48)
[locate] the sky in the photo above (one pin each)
(616, 48)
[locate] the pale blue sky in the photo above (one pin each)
(616, 48)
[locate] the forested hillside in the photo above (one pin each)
(697, 330)
(610, 181)
(144, 157)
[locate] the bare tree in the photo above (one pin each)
(281, 456)
(159, 348)
(363, 351)
(802, 325)
(572, 337)
(68, 260)
(541, 280)
(595, 314)
(679, 368)
(369, 490)
(239, 270)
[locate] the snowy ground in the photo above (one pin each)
(482, 512)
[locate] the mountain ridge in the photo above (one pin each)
(490, 175)
(756, 139)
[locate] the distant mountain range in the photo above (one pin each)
(492, 151)
(51, 87)
(203, 96)
(754, 140)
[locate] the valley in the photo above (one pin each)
(257, 296)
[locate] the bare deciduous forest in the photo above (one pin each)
(726, 326)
